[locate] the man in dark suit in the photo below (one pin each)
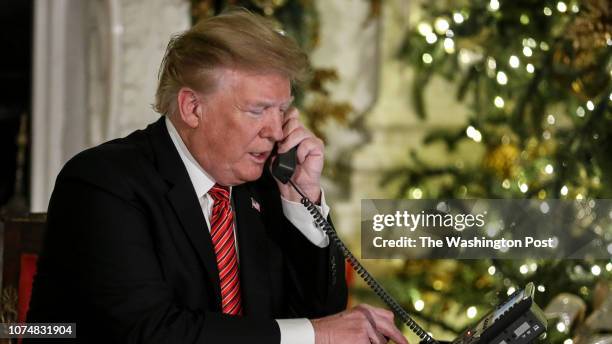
(178, 234)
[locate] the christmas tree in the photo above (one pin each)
(536, 76)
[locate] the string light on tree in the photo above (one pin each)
(473, 133)
(547, 11)
(544, 208)
(424, 28)
(419, 305)
(561, 7)
(502, 78)
(449, 45)
(590, 106)
(427, 58)
(499, 102)
(530, 42)
(491, 63)
(471, 312)
(514, 61)
(564, 190)
(524, 19)
(458, 18)
(561, 327)
(417, 193)
(527, 51)
(431, 38)
(441, 25)
(494, 5)
(530, 68)
(549, 169)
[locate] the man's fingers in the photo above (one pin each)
(290, 125)
(361, 324)
(309, 147)
(294, 138)
(292, 112)
(389, 330)
(384, 323)
(380, 311)
(384, 313)
(370, 323)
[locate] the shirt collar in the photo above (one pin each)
(202, 181)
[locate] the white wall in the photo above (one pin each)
(94, 76)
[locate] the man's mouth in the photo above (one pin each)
(260, 157)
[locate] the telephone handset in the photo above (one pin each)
(284, 165)
(282, 168)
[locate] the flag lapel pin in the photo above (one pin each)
(255, 204)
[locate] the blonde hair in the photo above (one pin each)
(235, 39)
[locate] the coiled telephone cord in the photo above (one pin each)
(362, 272)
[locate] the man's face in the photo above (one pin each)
(241, 120)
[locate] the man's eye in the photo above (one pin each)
(257, 111)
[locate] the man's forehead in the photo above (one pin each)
(260, 88)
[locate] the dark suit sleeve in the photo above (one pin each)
(315, 276)
(102, 268)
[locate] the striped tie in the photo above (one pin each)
(222, 234)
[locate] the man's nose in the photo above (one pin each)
(273, 129)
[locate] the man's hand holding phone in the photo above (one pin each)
(310, 158)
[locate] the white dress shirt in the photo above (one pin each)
(294, 331)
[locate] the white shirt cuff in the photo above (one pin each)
(296, 331)
(299, 216)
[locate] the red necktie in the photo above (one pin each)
(222, 234)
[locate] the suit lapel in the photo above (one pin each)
(252, 249)
(184, 201)
(190, 215)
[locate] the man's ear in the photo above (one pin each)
(189, 107)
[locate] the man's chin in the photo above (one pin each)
(250, 175)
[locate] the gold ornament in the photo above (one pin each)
(588, 36)
(502, 160)
(593, 27)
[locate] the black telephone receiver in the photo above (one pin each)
(284, 165)
(282, 169)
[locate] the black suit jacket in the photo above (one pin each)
(128, 257)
